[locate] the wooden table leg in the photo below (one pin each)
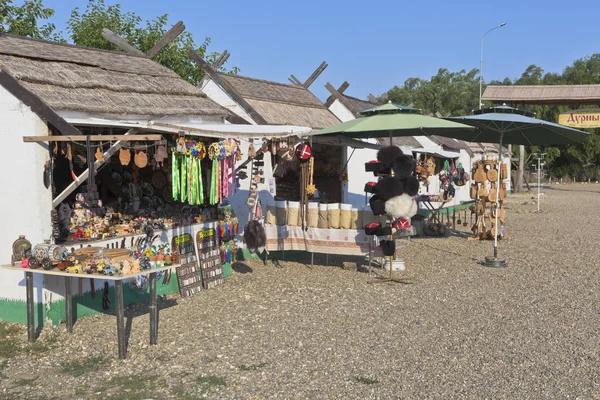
(69, 304)
(30, 304)
(120, 318)
(153, 309)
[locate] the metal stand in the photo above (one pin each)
(30, 315)
(69, 304)
(495, 261)
(120, 319)
(153, 309)
(390, 278)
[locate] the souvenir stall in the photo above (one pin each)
(443, 189)
(337, 228)
(484, 192)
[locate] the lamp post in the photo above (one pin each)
(540, 165)
(481, 60)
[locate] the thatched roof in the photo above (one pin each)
(353, 104)
(73, 78)
(282, 104)
(543, 94)
(451, 144)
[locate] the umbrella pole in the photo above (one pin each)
(495, 261)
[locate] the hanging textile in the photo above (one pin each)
(175, 176)
(194, 181)
(183, 189)
(200, 189)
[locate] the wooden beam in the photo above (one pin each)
(294, 80)
(122, 43)
(168, 37)
(93, 138)
(340, 97)
(343, 87)
(36, 104)
(221, 60)
(372, 98)
(315, 75)
(83, 177)
(227, 87)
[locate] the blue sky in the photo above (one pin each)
(376, 45)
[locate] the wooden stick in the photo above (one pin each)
(122, 43)
(171, 35)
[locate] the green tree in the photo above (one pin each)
(85, 29)
(24, 20)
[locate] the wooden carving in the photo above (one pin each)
(124, 156)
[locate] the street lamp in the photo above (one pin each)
(481, 60)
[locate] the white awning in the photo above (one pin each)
(218, 131)
(439, 153)
(233, 130)
(344, 141)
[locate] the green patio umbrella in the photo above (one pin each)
(391, 120)
(394, 120)
(503, 124)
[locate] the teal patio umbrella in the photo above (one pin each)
(390, 120)
(503, 124)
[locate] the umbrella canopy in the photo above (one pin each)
(503, 124)
(395, 120)
(510, 125)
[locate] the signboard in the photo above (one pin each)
(210, 258)
(188, 274)
(580, 119)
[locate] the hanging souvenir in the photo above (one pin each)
(200, 190)
(303, 152)
(99, 155)
(160, 155)
(175, 176)
(183, 187)
(194, 181)
(124, 156)
(141, 159)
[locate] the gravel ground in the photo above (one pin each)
(460, 330)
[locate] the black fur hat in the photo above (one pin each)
(411, 186)
(389, 187)
(387, 155)
(404, 166)
(254, 236)
(388, 247)
(377, 205)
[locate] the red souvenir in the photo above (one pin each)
(303, 152)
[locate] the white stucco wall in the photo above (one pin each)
(340, 111)
(219, 96)
(25, 203)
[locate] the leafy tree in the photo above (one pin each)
(85, 29)
(23, 20)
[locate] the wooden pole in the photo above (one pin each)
(521, 167)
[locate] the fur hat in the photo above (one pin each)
(389, 187)
(411, 186)
(370, 187)
(254, 236)
(401, 206)
(404, 166)
(387, 155)
(377, 205)
(388, 247)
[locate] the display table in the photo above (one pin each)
(118, 281)
(318, 240)
(433, 212)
